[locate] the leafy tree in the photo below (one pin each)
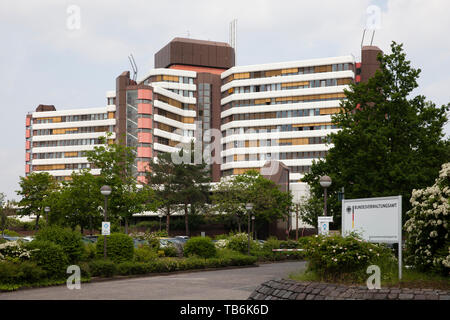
(77, 202)
(162, 178)
(389, 142)
(269, 203)
(116, 162)
(36, 189)
(192, 180)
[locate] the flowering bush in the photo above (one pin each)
(14, 251)
(346, 258)
(428, 245)
(222, 243)
(239, 242)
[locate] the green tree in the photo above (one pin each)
(117, 164)
(162, 178)
(36, 189)
(269, 203)
(77, 202)
(389, 142)
(193, 184)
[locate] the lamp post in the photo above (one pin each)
(248, 207)
(325, 182)
(253, 227)
(47, 210)
(160, 217)
(106, 191)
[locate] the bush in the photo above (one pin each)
(132, 267)
(17, 273)
(200, 246)
(144, 254)
(171, 251)
(427, 241)
(239, 242)
(346, 258)
(90, 252)
(50, 257)
(70, 241)
(102, 268)
(10, 233)
(14, 251)
(119, 246)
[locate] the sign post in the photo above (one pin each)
(376, 220)
(323, 224)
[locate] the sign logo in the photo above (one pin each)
(106, 228)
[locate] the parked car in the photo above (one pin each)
(89, 239)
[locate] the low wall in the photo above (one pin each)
(283, 289)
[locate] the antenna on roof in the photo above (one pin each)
(371, 39)
(133, 66)
(233, 36)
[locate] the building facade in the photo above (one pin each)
(277, 111)
(56, 140)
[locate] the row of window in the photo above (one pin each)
(287, 86)
(83, 117)
(66, 166)
(283, 100)
(279, 156)
(63, 143)
(59, 155)
(288, 72)
(275, 142)
(44, 132)
(167, 78)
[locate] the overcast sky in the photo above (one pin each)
(46, 59)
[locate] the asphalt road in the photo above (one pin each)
(232, 284)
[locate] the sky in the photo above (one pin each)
(69, 53)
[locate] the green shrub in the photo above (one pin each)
(26, 272)
(148, 224)
(119, 247)
(239, 242)
(50, 257)
(171, 251)
(10, 233)
(14, 251)
(346, 258)
(428, 224)
(144, 254)
(102, 268)
(132, 267)
(70, 241)
(90, 251)
(200, 246)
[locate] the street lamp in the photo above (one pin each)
(160, 217)
(248, 207)
(106, 191)
(325, 182)
(253, 227)
(47, 210)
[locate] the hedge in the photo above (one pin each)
(120, 247)
(70, 241)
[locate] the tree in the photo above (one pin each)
(116, 162)
(389, 143)
(77, 202)
(233, 193)
(192, 180)
(36, 189)
(162, 178)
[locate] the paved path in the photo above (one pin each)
(231, 284)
